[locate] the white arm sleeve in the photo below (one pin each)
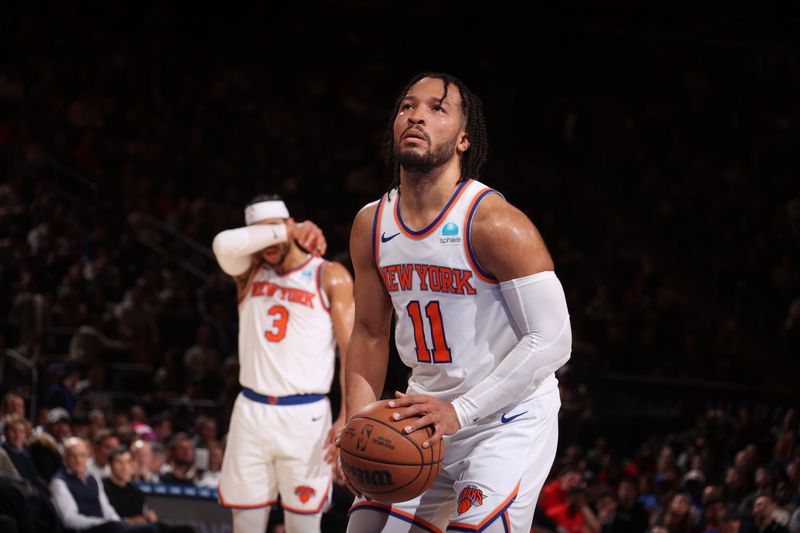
(234, 247)
(538, 308)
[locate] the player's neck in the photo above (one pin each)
(293, 259)
(427, 193)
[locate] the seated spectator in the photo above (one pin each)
(142, 429)
(62, 393)
(14, 515)
(209, 477)
(159, 461)
(58, 424)
(15, 432)
(621, 512)
(13, 404)
(205, 432)
(555, 491)
(763, 520)
(45, 456)
(104, 443)
(7, 468)
(79, 498)
(127, 499)
(142, 454)
(181, 468)
(575, 515)
(677, 516)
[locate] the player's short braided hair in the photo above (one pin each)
(471, 106)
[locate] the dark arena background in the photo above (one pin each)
(656, 146)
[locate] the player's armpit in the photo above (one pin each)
(505, 242)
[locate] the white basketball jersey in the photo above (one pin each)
(452, 325)
(286, 340)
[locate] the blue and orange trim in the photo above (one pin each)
(421, 234)
(397, 513)
(473, 260)
(325, 306)
(244, 505)
(376, 226)
(501, 512)
(301, 266)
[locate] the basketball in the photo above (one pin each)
(382, 461)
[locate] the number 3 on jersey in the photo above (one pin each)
(441, 352)
(281, 317)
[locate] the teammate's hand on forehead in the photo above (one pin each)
(308, 235)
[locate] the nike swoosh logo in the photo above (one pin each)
(315, 418)
(384, 238)
(505, 420)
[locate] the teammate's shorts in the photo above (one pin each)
(492, 475)
(272, 449)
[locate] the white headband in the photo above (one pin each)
(262, 210)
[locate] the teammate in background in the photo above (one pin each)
(294, 308)
(481, 319)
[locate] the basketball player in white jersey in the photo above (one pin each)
(294, 309)
(481, 320)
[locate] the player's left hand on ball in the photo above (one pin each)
(308, 235)
(434, 412)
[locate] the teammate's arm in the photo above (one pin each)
(338, 287)
(235, 249)
(508, 245)
(368, 353)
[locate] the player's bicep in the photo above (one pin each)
(506, 243)
(338, 286)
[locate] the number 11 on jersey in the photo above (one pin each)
(441, 352)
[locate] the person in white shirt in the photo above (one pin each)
(79, 498)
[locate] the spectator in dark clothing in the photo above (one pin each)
(62, 393)
(181, 469)
(79, 498)
(127, 499)
(14, 431)
(763, 520)
(14, 515)
(46, 459)
(623, 513)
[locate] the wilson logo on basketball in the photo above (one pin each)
(305, 493)
(470, 496)
(376, 478)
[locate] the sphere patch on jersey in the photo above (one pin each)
(450, 229)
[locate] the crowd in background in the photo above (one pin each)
(663, 177)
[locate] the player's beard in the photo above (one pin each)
(421, 162)
(282, 251)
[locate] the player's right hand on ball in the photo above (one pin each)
(308, 235)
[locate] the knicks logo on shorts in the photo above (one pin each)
(470, 496)
(305, 493)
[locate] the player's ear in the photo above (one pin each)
(463, 143)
